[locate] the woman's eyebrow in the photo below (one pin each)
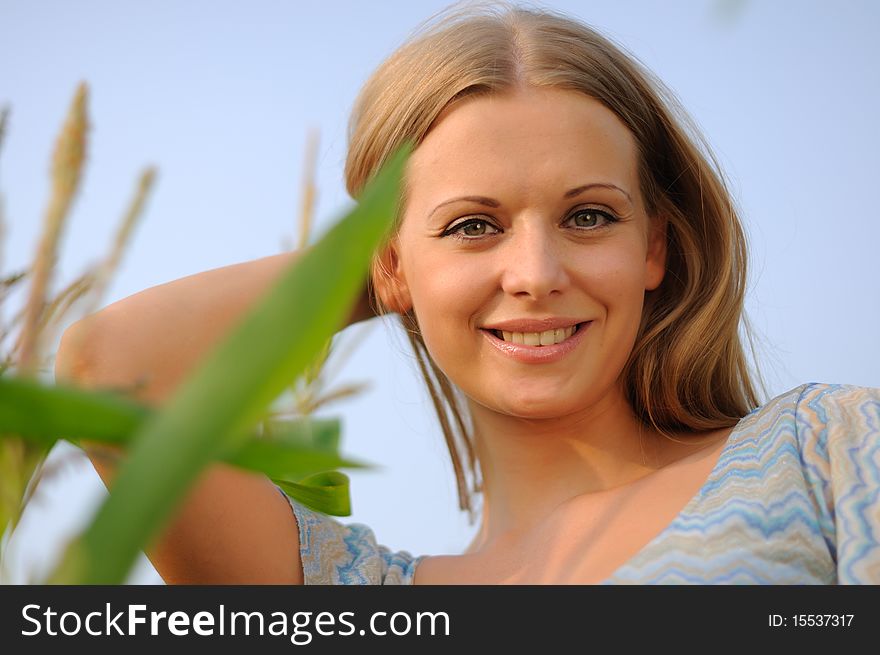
(480, 200)
(594, 185)
(571, 193)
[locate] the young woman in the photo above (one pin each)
(570, 270)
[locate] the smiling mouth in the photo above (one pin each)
(546, 338)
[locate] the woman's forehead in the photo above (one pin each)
(522, 140)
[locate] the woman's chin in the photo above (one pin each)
(531, 407)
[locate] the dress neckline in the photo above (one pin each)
(691, 504)
(689, 507)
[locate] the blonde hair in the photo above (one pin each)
(687, 370)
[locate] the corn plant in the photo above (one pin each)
(220, 413)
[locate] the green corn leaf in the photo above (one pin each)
(322, 434)
(304, 447)
(39, 413)
(328, 490)
(215, 407)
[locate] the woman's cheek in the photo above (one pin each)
(616, 274)
(441, 305)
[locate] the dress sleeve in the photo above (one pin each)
(838, 429)
(334, 553)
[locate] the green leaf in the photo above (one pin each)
(302, 448)
(322, 434)
(37, 412)
(214, 408)
(44, 414)
(326, 492)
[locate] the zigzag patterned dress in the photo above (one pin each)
(793, 499)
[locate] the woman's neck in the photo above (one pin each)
(532, 467)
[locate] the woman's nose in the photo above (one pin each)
(533, 265)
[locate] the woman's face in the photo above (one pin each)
(527, 206)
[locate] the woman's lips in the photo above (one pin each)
(538, 354)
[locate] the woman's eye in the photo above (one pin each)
(591, 218)
(473, 228)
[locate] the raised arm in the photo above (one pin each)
(233, 527)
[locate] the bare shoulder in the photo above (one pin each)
(445, 570)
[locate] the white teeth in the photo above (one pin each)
(546, 338)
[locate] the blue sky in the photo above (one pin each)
(220, 96)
